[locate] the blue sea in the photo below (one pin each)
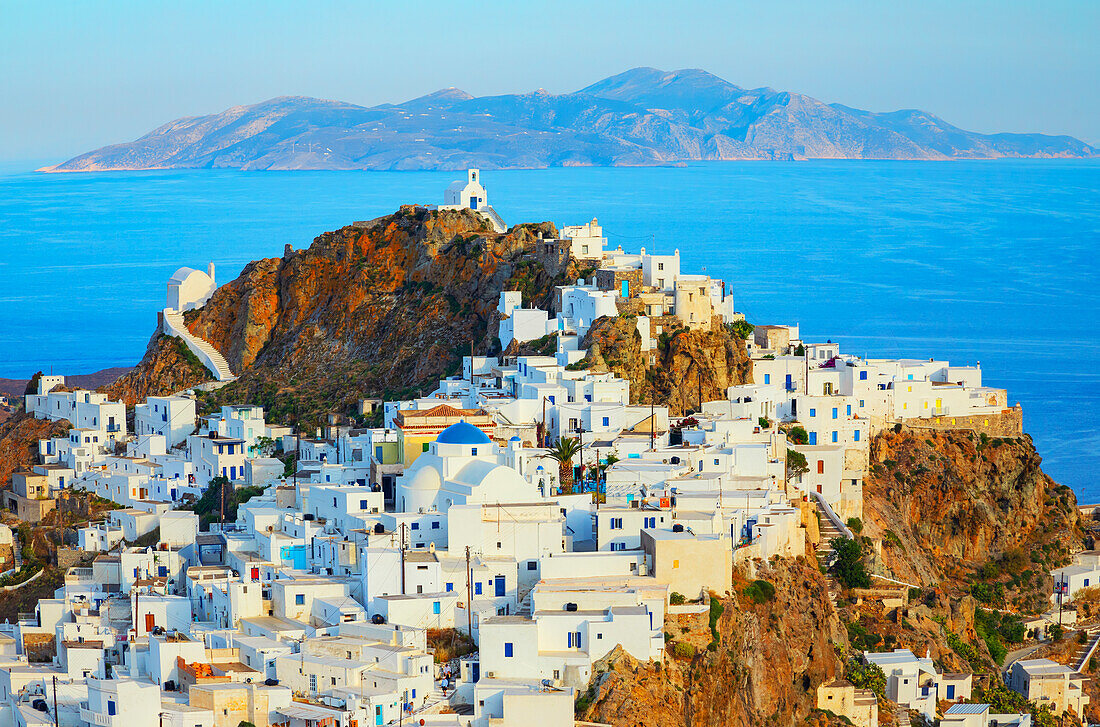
(990, 261)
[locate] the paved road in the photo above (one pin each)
(1014, 656)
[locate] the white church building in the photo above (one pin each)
(462, 466)
(189, 289)
(471, 195)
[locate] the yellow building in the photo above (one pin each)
(417, 428)
(842, 699)
(688, 563)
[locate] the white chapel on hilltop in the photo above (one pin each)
(472, 196)
(189, 289)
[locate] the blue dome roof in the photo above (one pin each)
(515, 439)
(463, 433)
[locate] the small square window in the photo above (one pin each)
(299, 599)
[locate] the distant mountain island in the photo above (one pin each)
(641, 117)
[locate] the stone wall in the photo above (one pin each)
(1007, 423)
(612, 279)
(39, 647)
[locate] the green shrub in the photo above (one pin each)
(764, 422)
(676, 599)
(798, 435)
(716, 610)
(855, 525)
(760, 591)
(682, 650)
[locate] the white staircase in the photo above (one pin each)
(494, 217)
(210, 356)
(1086, 650)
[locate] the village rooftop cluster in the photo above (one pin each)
(315, 605)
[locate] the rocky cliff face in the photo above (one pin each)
(765, 668)
(946, 503)
(690, 366)
(167, 367)
(379, 308)
(19, 442)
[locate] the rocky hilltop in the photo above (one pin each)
(687, 368)
(944, 504)
(644, 116)
(388, 307)
(769, 655)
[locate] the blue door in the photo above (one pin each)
(950, 691)
(473, 203)
(813, 437)
(626, 288)
(790, 385)
(500, 585)
(477, 671)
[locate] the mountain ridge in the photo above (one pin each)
(643, 116)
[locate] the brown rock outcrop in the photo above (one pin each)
(688, 365)
(167, 367)
(379, 308)
(944, 503)
(19, 442)
(765, 669)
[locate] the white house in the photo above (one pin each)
(586, 241)
(172, 417)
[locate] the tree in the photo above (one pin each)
(798, 435)
(800, 351)
(563, 452)
(796, 464)
(264, 447)
(867, 676)
(742, 328)
(848, 566)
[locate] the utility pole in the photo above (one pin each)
(652, 421)
(469, 598)
(55, 724)
(402, 558)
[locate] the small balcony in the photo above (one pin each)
(95, 717)
(113, 428)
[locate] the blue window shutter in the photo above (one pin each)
(813, 412)
(767, 378)
(507, 648)
(834, 412)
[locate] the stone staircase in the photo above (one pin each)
(825, 552)
(1085, 651)
(175, 326)
(902, 717)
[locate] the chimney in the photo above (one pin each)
(210, 271)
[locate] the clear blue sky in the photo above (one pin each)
(78, 75)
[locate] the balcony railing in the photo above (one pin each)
(111, 428)
(94, 717)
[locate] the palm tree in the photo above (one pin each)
(563, 452)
